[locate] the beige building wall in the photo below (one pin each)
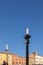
(17, 60)
(34, 58)
(5, 57)
(38, 59)
(14, 59)
(9, 59)
(24, 61)
(2, 58)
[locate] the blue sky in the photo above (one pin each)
(15, 17)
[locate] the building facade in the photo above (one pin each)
(35, 59)
(14, 59)
(5, 57)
